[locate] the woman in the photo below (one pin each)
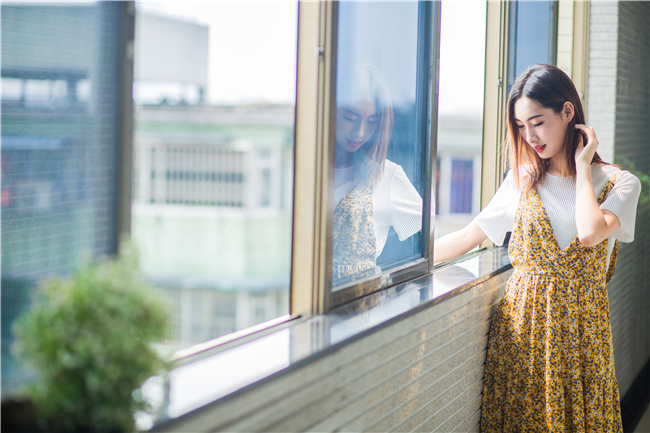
(550, 364)
(371, 193)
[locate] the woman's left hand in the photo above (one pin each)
(584, 154)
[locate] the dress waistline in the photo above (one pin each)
(564, 274)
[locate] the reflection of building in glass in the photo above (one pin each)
(211, 210)
(459, 173)
(60, 106)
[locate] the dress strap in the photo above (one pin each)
(612, 258)
(608, 187)
(612, 263)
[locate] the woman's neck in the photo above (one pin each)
(343, 158)
(558, 166)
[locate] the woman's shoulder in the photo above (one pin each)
(619, 176)
(395, 180)
(509, 181)
(391, 171)
(608, 171)
(390, 167)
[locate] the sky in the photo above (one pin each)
(252, 47)
(462, 57)
(252, 50)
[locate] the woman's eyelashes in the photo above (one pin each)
(535, 125)
(355, 117)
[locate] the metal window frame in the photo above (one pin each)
(315, 93)
(311, 291)
(580, 65)
(565, 13)
(555, 16)
(124, 167)
(494, 109)
(496, 86)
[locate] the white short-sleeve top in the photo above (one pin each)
(395, 202)
(558, 195)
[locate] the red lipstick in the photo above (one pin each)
(354, 143)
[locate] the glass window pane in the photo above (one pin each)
(460, 114)
(214, 94)
(461, 185)
(59, 150)
(532, 36)
(380, 144)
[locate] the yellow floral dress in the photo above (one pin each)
(550, 362)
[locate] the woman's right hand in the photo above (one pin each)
(585, 153)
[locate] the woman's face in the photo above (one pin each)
(355, 124)
(542, 128)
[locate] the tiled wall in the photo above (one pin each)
(619, 111)
(629, 291)
(424, 372)
(601, 93)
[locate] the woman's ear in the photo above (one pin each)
(568, 111)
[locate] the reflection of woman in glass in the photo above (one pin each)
(371, 193)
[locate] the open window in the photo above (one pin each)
(373, 68)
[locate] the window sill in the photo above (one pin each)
(203, 381)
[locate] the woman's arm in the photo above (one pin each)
(458, 243)
(594, 224)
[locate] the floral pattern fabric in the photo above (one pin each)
(550, 362)
(354, 244)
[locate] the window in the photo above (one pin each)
(510, 49)
(369, 221)
(213, 161)
(213, 198)
(380, 140)
(462, 174)
(460, 114)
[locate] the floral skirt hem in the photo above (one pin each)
(550, 364)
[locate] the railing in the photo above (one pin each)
(192, 174)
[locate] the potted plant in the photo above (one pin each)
(88, 337)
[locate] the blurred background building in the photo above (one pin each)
(61, 103)
(212, 188)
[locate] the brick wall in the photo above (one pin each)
(619, 110)
(601, 93)
(630, 288)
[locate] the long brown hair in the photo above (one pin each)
(550, 87)
(375, 150)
